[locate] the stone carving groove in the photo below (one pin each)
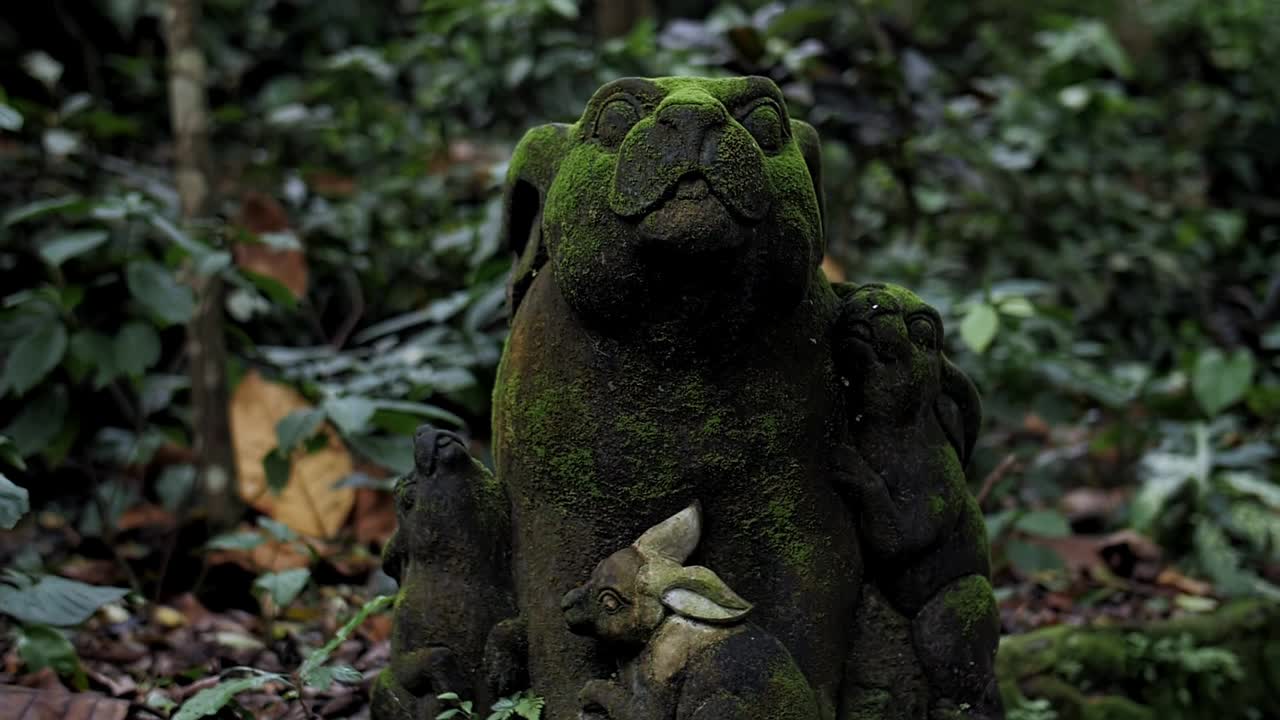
(675, 351)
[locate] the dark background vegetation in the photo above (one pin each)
(1085, 189)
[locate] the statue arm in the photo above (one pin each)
(892, 529)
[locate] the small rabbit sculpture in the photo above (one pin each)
(684, 648)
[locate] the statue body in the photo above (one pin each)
(670, 344)
(673, 342)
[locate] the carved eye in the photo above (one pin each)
(614, 121)
(922, 331)
(764, 122)
(610, 601)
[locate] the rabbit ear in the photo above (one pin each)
(698, 593)
(674, 538)
(961, 422)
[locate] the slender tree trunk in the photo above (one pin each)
(614, 18)
(206, 345)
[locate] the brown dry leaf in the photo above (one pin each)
(20, 703)
(146, 515)
(834, 272)
(1170, 577)
(262, 214)
(309, 503)
(1119, 553)
(375, 516)
(331, 184)
(1091, 503)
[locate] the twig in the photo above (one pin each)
(996, 475)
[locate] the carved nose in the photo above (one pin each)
(686, 126)
(571, 599)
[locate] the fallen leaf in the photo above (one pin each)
(21, 703)
(261, 214)
(309, 504)
(1086, 503)
(375, 516)
(146, 515)
(1170, 577)
(833, 270)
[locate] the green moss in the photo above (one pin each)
(937, 505)
(789, 691)
(971, 600)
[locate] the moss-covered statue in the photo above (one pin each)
(924, 538)
(450, 556)
(672, 342)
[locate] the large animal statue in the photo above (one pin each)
(684, 646)
(670, 343)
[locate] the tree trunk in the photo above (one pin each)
(206, 345)
(1223, 665)
(615, 18)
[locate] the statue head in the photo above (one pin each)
(634, 590)
(674, 191)
(888, 345)
(433, 500)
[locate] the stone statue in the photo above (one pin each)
(450, 556)
(925, 540)
(673, 341)
(684, 648)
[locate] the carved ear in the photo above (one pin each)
(696, 592)
(533, 166)
(674, 538)
(811, 148)
(962, 420)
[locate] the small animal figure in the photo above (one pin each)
(451, 559)
(916, 418)
(684, 648)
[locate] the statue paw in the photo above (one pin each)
(603, 699)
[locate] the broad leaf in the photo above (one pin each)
(236, 541)
(39, 421)
(14, 503)
(979, 327)
(1045, 523)
(296, 427)
(1220, 381)
(34, 357)
(41, 646)
(64, 247)
(210, 700)
(157, 289)
(277, 466)
(284, 586)
(351, 413)
(54, 600)
(137, 348)
(40, 208)
(9, 454)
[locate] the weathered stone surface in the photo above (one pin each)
(915, 420)
(669, 343)
(674, 344)
(450, 555)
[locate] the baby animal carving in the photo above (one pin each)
(684, 647)
(924, 535)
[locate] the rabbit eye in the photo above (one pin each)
(610, 601)
(922, 331)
